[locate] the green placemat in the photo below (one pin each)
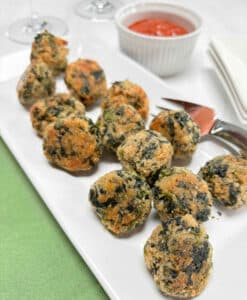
(37, 261)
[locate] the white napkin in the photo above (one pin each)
(230, 58)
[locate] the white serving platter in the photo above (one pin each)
(116, 262)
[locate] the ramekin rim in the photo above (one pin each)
(156, 38)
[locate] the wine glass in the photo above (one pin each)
(24, 30)
(97, 9)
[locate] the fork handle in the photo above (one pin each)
(231, 133)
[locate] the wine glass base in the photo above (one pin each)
(90, 10)
(24, 30)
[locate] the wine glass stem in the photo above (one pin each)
(33, 15)
(35, 25)
(100, 4)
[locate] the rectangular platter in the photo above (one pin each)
(117, 262)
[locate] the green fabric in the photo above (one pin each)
(37, 261)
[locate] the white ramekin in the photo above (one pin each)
(165, 56)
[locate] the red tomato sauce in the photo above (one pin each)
(157, 27)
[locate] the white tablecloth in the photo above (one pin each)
(198, 82)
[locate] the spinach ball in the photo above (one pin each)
(122, 201)
(47, 110)
(118, 122)
(127, 92)
(86, 80)
(73, 143)
(179, 128)
(178, 192)
(35, 83)
(179, 257)
(227, 180)
(145, 152)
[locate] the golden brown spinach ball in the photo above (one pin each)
(36, 82)
(46, 110)
(51, 50)
(73, 143)
(227, 180)
(86, 80)
(180, 130)
(117, 123)
(122, 201)
(130, 93)
(178, 192)
(179, 257)
(145, 152)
